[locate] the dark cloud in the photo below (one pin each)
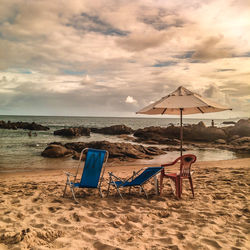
(185, 55)
(225, 70)
(210, 49)
(163, 20)
(246, 54)
(165, 64)
(88, 23)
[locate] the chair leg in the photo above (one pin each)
(180, 182)
(177, 186)
(156, 185)
(100, 192)
(108, 186)
(161, 183)
(67, 183)
(144, 191)
(118, 191)
(65, 189)
(113, 183)
(191, 184)
(73, 193)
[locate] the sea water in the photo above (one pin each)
(21, 152)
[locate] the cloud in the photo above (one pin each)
(130, 99)
(142, 40)
(88, 23)
(213, 92)
(60, 56)
(210, 49)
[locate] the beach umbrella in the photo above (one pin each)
(182, 102)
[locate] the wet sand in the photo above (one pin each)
(34, 215)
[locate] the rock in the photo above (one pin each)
(200, 133)
(22, 125)
(73, 132)
(171, 134)
(126, 137)
(241, 128)
(240, 141)
(220, 141)
(123, 151)
(201, 124)
(56, 151)
(157, 134)
(228, 122)
(243, 149)
(234, 137)
(113, 130)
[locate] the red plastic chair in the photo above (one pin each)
(185, 165)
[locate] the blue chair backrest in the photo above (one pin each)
(92, 168)
(144, 176)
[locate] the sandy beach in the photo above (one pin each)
(34, 215)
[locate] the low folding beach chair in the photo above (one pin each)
(136, 180)
(92, 174)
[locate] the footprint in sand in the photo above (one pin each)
(116, 224)
(76, 217)
(162, 231)
(6, 219)
(54, 209)
(134, 218)
(31, 211)
(57, 201)
(20, 216)
(15, 201)
(212, 243)
(49, 235)
(108, 215)
(89, 230)
(101, 246)
(163, 214)
(37, 225)
(63, 220)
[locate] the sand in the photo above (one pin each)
(34, 215)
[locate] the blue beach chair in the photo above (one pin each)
(92, 174)
(136, 180)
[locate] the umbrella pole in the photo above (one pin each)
(181, 131)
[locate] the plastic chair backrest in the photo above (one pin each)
(186, 162)
(92, 168)
(144, 176)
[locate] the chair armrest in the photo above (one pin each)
(168, 164)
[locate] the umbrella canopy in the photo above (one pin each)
(182, 99)
(182, 102)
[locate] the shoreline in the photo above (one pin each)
(129, 165)
(58, 164)
(33, 213)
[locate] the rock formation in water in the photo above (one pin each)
(113, 130)
(70, 132)
(121, 151)
(235, 138)
(57, 150)
(22, 125)
(232, 138)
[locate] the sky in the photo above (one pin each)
(114, 57)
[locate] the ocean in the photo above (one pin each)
(20, 152)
